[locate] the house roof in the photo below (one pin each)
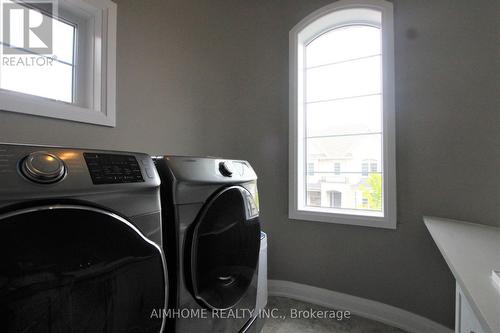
(345, 147)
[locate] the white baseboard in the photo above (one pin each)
(383, 313)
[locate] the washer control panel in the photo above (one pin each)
(113, 168)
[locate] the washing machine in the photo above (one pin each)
(211, 223)
(80, 242)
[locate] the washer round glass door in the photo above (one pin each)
(77, 269)
(225, 248)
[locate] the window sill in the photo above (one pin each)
(43, 107)
(349, 219)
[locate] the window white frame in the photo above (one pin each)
(318, 22)
(95, 87)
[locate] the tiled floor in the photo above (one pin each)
(286, 324)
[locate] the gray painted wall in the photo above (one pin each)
(211, 77)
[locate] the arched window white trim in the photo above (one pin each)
(343, 13)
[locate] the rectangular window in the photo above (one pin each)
(310, 169)
(342, 108)
(314, 198)
(336, 168)
(335, 199)
(58, 59)
(364, 169)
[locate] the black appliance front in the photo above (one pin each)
(77, 269)
(224, 250)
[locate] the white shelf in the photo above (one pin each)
(472, 251)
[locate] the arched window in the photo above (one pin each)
(342, 109)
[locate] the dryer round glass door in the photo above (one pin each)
(77, 269)
(225, 248)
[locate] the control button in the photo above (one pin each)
(150, 173)
(225, 169)
(42, 167)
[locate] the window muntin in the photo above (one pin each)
(342, 109)
(359, 115)
(348, 79)
(319, 52)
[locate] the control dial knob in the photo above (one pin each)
(225, 169)
(42, 167)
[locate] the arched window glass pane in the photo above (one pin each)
(345, 43)
(343, 63)
(343, 117)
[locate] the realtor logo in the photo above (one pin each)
(27, 27)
